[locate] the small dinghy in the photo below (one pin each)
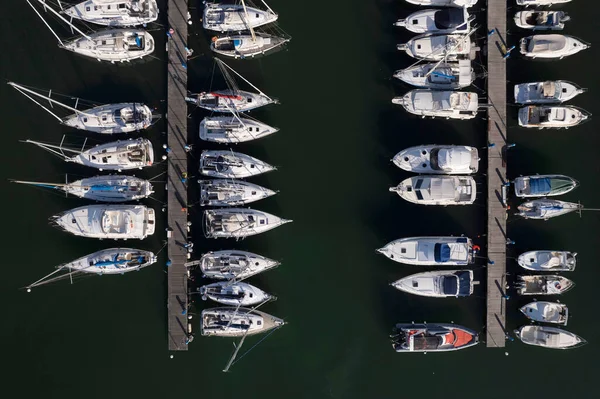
(543, 284)
(234, 264)
(446, 20)
(115, 12)
(546, 208)
(229, 164)
(549, 92)
(543, 185)
(439, 159)
(549, 337)
(442, 104)
(548, 261)
(117, 222)
(246, 45)
(235, 17)
(435, 251)
(111, 188)
(222, 192)
(551, 46)
(445, 76)
(438, 47)
(232, 322)
(552, 116)
(437, 190)
(238, 222)
(541, 20)
(112, 261)
(234, 294)
(443, 3)
(546, 312)
(411, 337)
(233, 129)
(541, 3)
(438, 284)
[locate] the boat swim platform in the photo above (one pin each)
(496, 176)
(176, 116)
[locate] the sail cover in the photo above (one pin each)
(540, 186)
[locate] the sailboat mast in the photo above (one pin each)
(46, 23)
(248, 21)
(47, 7)
(243, 78)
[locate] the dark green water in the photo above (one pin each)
(106, 337)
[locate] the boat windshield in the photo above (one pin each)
(449, 18)
(441, 253)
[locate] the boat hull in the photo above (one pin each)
(220, 192)
(227, 101)
(111, 188)
(238, 222)
(438, 337)
(118, 155)
(224, 129)
(245, 46)
(546, 312)
(430, 251)
(232, 18)
(543, 284)
(234, 294)
(112, 118)
(113, 45)
(232, 322)
(112, 261)
(436, 284)
(438, 159)
(549, 337)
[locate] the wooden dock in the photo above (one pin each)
(496, 172)
(177, 297)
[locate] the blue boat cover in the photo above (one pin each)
(540, 186)
(441, 252)
(138, 41)
(237, 42)
(106, 187)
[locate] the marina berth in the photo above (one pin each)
(438, 159)
(233, 129)
(549, 337)
(444, 76)
(548, 261)
(543, 185)
(236, 322)
(430, 251)
(436, 47)
(235, 17)
(229, 164)
(234, 294)
(441, 104)
(112, 261)
(546, 312)
(438, 190)
(551, 46)
(541, 3)
(411, 337)
(543, 284)
(548, 92)
(546, 208)
(438, 284)
(225, 192)
(541, 20)
(234, 264)
(552, 116)
(238, 222)
(115, 12)
(446, 20)
(443, 3)
(107, 221)
(246, 45)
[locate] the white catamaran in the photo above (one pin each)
(117, 13)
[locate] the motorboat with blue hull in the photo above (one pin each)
(548, 261)
(546, 312)
(115, 13)
(438, 159)
(541, 20)
(432, 337)
(543, 185)
(547, 92)
(229, 164)
(549, 337)
(223, 17)
(434, 251)
(224, 192)
(437, 190)
(543, 284)
(444, 76)
(234, 264)
(234, 294)
(551, 46)
(545, 209)
(438, 284)
(109, 188)
(238, 222)
(236, 322)
(233, 129)
(446, 20)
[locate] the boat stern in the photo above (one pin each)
(150, 221)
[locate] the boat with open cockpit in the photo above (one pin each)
(115, 12)
(434, 251)
(234, 293)
(543, 185)
(445, 20)
(223, 17)
(438, 159)
(236, 322)
(547, 92)
(541, 20)
(543, 284)
(438, 284)
(440, 104)
(551, 46)
(549, 337)
(439, 76)
(233, 129)
(552, 116)
(432, 337)
(112, 261)
(545, 209)
(225, 192)
(437, 190)
(546, 312)
(548, 261)
(229, 164)
(238, 222)
(234, 264)
(436, 47)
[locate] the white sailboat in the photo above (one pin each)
(543, 284)
(546, 208)
(552, 116)
(442, 104)
(540, 3)
(548, 261)
(116, 155)
(110, 188)
(233, 165)
(103, 119)
(541, 20)
(233, 129)
(443, 3)
(243, 45)
(438, 159)
(546, 312)
(435, 47)
(438, 251)
(549, 337)
(117, 13)
(234, 294)
(439, 76)
(222, 17)
(234, 264)
(438, 284)
(238, 222)
(548, 92)
(551, 46)
(445, 20)
(236, 322)
(225, 192)
(437, 190)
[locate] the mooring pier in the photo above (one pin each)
(496, 173)
(177, 296)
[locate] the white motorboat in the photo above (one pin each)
(540, 3)
(234, 322)
(541, 20)
(224, 192)
(437, 190)
(439, 159)
(115, 12)
(549, 337)
(229, 164)
(551, 46)
(238, 222)
(548, 261)
(432, 47)
(110, 188)
(543, 185)
(552, 116)
(107, 221)
(234, 17)
(445, 76)
(438, 284)
(233, 129)
(432, 337)
(546, 312)
(116, 155)
(436, 251)
(446, 20)
(112, 261)
(234, 294)
(543, 284)
(244, 45)
(546, 208)
(442, 104)
(548, 92)
(443, 3)
(234, 264)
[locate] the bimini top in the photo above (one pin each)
(449, 18)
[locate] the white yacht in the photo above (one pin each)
(432, 337)
(113, 45)
(224, 192)
(230, 101)
(233, 165)
(549, 337)
(439, 159)
(234, 322)
(540, 3)
(234, 264)
(444, 76)
(438, 284)
(109, 188)
(244, 45)
(115, 12)
(437, 190)
(222, 17)
(543, 185)
(446, 20)
(548, 261)
(435, 251)
(543, 284)
(442, 104)
(548, 92)
(443, 3)
(108, 221)
(551, 46)
(552, 116)
(546, 208)
(238, 222)
(234, 294)
(546, 312)
(112, 261)
(433, 47)
(233, 129)
(541, 20)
